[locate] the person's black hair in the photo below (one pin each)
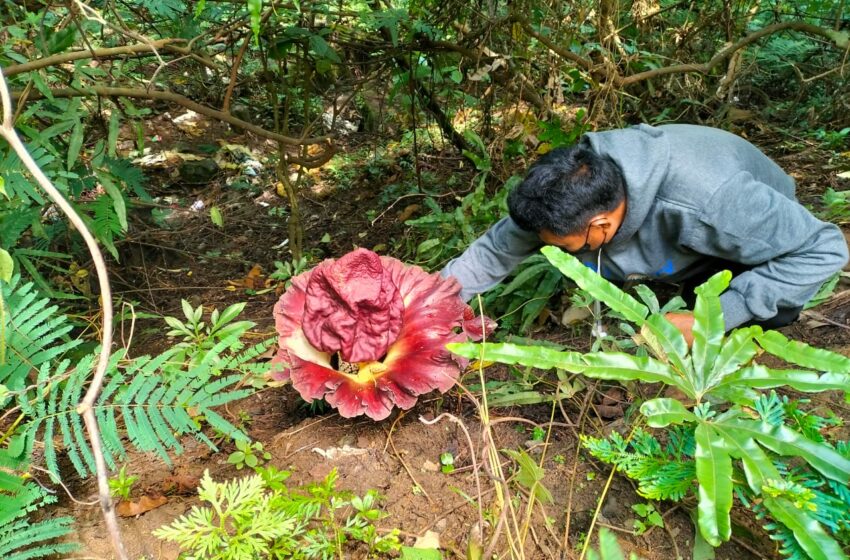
(564, 189)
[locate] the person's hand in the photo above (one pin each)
(685, 323)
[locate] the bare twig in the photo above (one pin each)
(610, 73)
(7, 131)
(185, 102)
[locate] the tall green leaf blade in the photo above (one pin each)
(714, 473)
(617, 366)
(74, 144)
(807, 531)
(758, 469)
(738, 349)
(596, 285)
(802, 354)
(525, 275)
(785, 441)
(762, 377)
(508, 353)
(117, 197)
(660, 413)
(668, 343)
(708, 327)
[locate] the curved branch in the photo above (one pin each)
(112, 52)
(84, 408)
(583, 63)
(841, 39)
(182, 101)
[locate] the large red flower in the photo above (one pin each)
(368, 333)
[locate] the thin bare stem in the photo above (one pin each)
(7, 131)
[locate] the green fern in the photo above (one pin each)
(33, 331)
(155, 409)
(19, 538)
(104, 223)
(663, 473)
(13, 223)
(17, 184)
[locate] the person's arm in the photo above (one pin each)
(491, 257)
(791, 252)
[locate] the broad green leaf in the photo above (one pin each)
(255, 8)
(545, 289)
(614, 366)
(802, 354)
(715, 285)
(530, 475)
(618, 366)
(526, 275)
(117, 199)
(230, 312)
(808, 533)
(738, 349)
(7, 266)
(596, 285)
(648, 297)
(708, 327)
(663, 412)
(761, 377)
(702, 550)
(188, 310)
(411, 553)
(507, 353)
(3, 188)
(75, 144)
(215, 216)
(668, 343)
(785, 441)
(609, 548)
(114, 129)
(714, 474)
(758, 468)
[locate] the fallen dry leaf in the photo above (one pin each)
(182, 484)
(408, 212)
(144, 505)
(254, 280)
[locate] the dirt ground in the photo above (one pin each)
(399, 457)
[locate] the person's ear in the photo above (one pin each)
(601, 221)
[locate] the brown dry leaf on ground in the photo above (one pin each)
(182, 484)
(254, 280)
(144, 505)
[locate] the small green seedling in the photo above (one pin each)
(248, 454)
(121, 485)
(447, 462)
(649, 517)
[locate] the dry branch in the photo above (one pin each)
(840, 38)
(112, 52)
(85, 407)
(182, 101)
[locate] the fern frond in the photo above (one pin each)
(18, 186)
(19, 538)
(33, 333)
(155, 409)
(662, 473)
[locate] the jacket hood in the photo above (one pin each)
(643, 154)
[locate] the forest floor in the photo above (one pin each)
(210, 265)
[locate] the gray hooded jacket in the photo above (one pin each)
(692, 192)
